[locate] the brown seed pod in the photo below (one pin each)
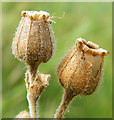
(34, 39)
(81, 69)
(80, 72)
(23, 114)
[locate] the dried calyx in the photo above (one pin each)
(80, 71)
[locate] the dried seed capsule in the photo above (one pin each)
(34, 39)
(80, 72)
(23, 114)
(81, 69)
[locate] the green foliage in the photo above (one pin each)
(91, 21)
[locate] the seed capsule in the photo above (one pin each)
(34, 39)
(81, 69)
(23, 114)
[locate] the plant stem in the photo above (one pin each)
(67, 97)
(32, 70)
(32, 106)
(30, 97)
(34, 90)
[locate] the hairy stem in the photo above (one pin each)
(33, 70)
(32, 107)
(34, 90)
(67, 97)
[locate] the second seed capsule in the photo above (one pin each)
(81, 69)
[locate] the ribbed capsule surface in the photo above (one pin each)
(81, 69)
(34, 39)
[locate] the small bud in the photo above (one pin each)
(33, 41)
(81, 69)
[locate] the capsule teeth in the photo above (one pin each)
(81, 39)
(103, 52)
(92, 45)
(85, 48)
(23, 13)
(41, 15)
(94, 52)
(84, 41)
(79, 42)
(35, 15)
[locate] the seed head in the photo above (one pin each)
(81, 69)
(33, 41)
(23, 114)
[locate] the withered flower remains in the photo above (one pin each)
(80, 71)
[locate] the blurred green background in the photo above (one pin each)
(91, 21)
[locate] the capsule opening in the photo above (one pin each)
(91, 47)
